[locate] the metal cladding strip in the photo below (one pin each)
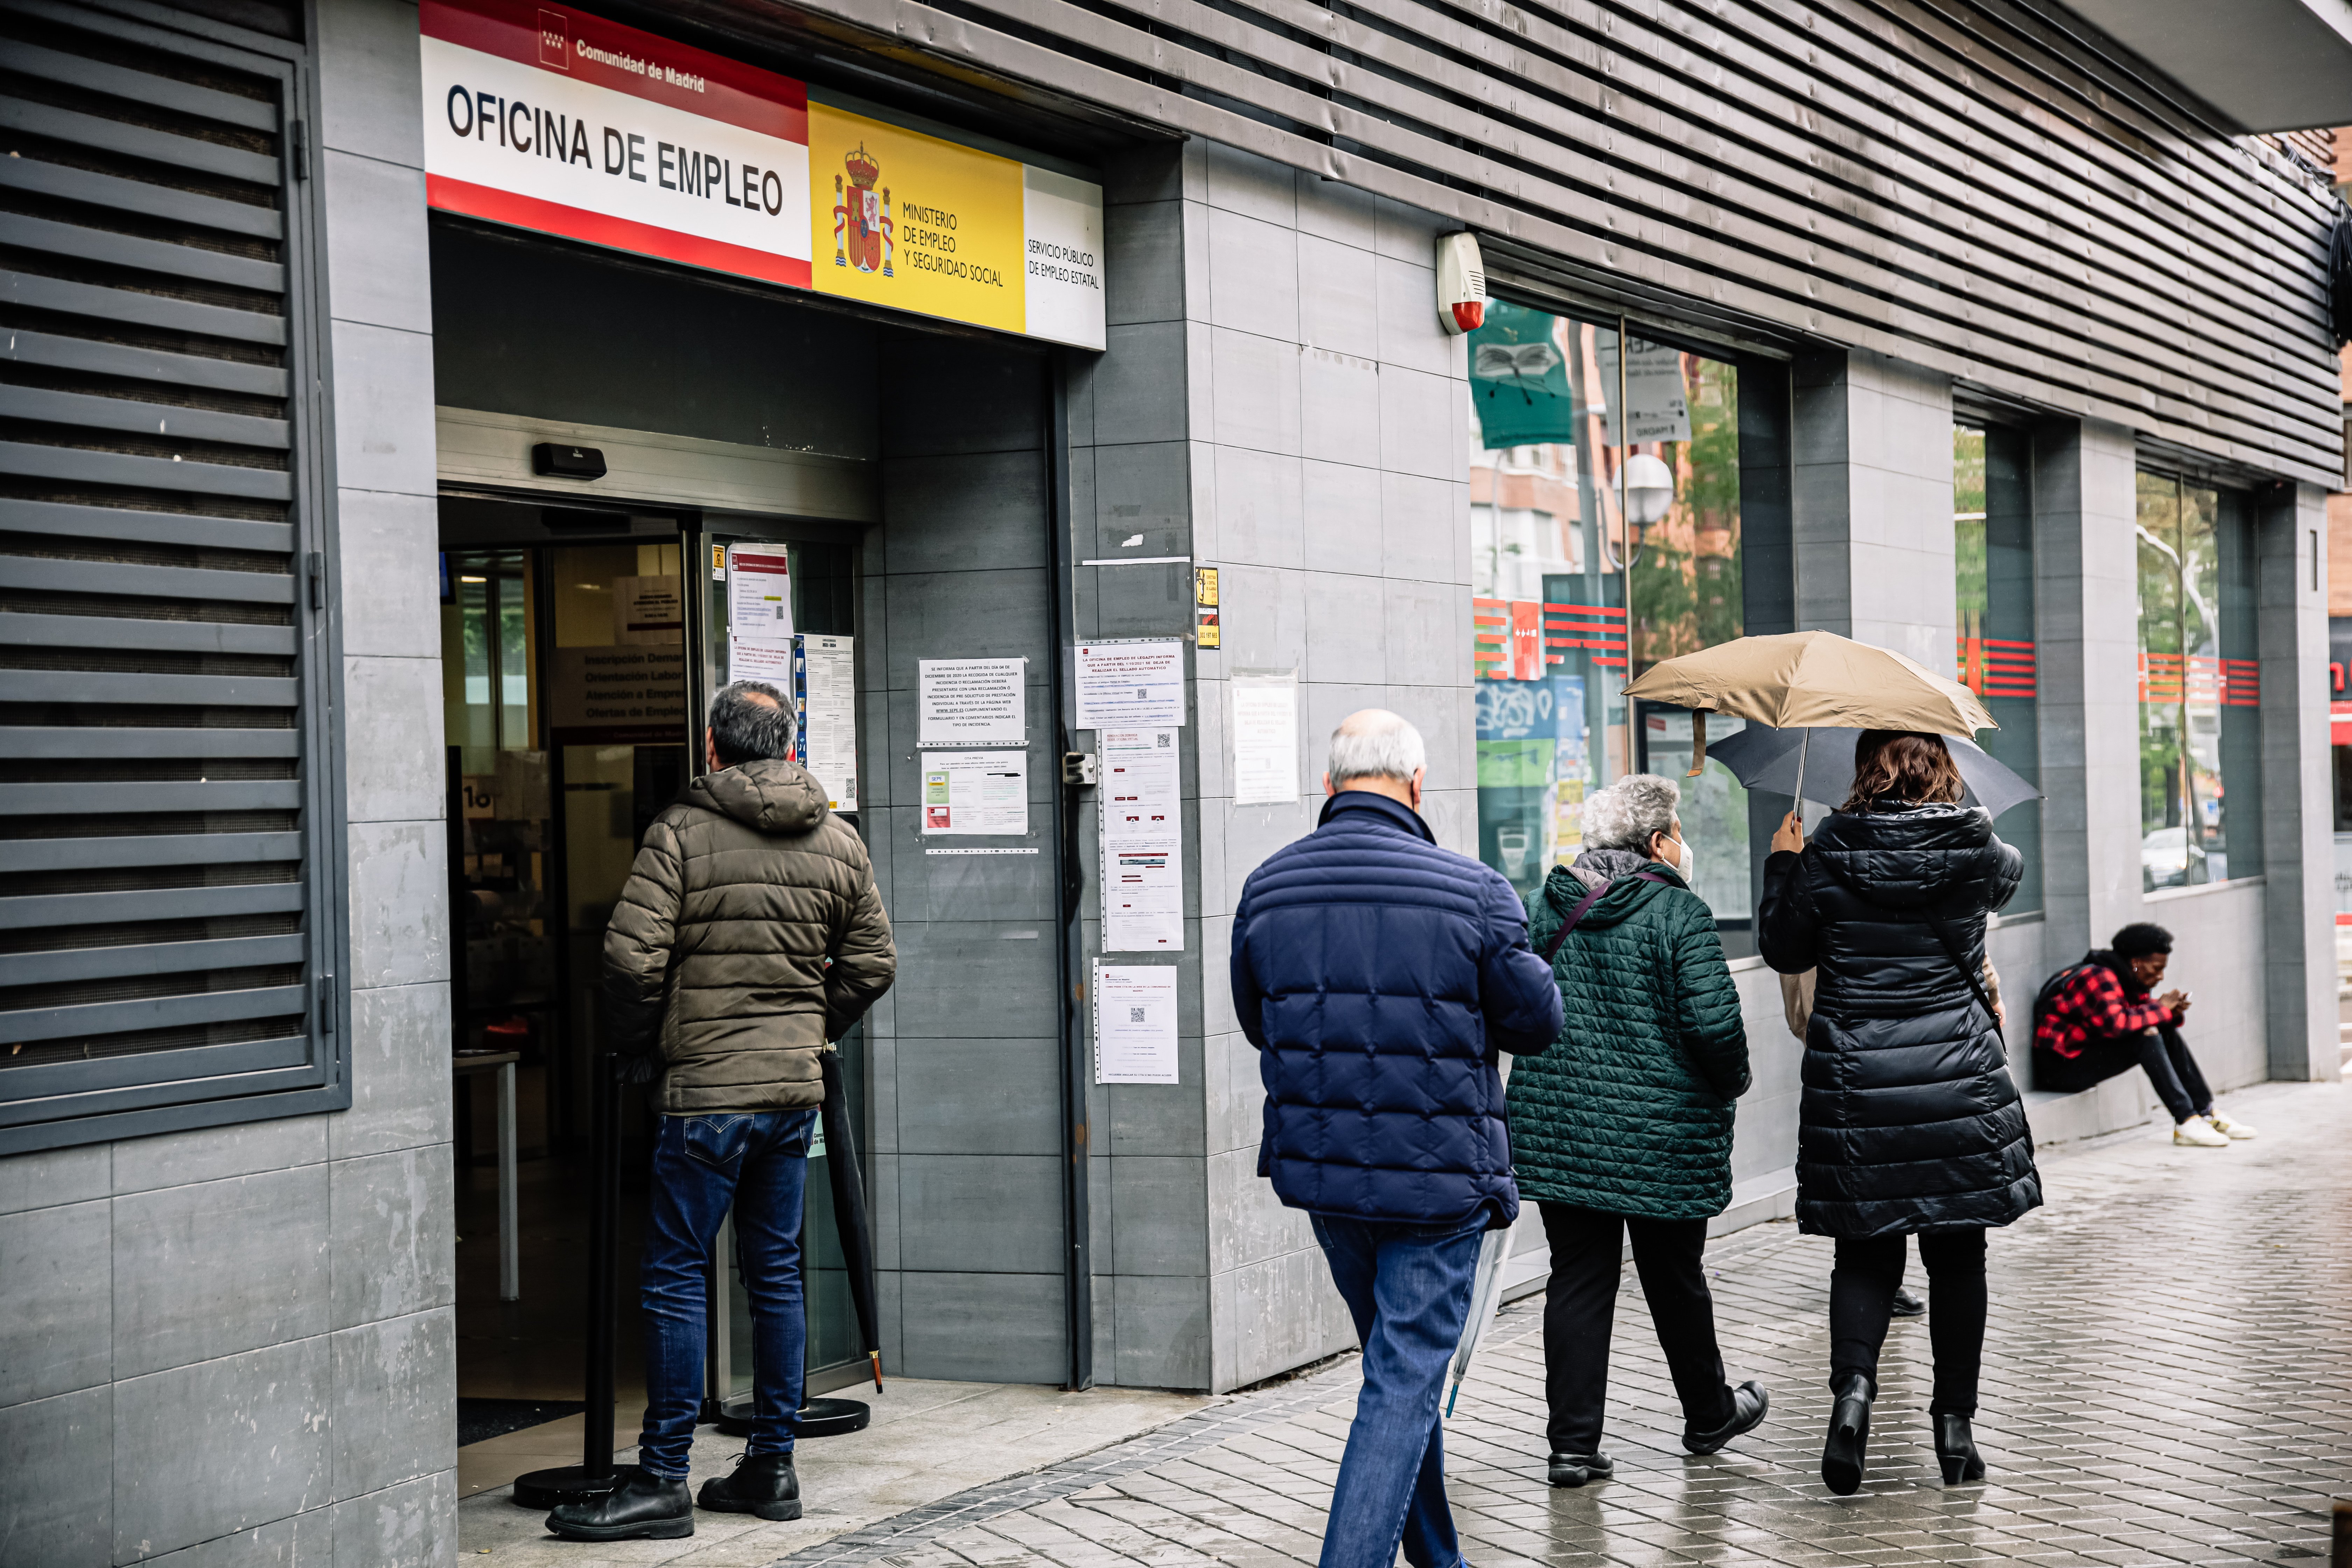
(1665, 258)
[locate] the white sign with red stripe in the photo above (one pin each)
(560, 121)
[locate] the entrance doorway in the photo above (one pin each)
(572, 720)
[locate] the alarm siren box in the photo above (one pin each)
(1461, 284)
(560, 460)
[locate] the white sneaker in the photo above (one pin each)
(2198, 1133)
(2221, 1124)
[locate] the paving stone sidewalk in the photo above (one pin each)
(2167, 1380)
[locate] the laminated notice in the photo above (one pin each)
(971, 701)
(976, 791)
(1135, 1023)
(828, 696)
(1131, 684)
(1143, 817)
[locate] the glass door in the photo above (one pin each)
(765, 605)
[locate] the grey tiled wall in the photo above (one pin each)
(237, 1345)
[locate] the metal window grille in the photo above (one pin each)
(170, 816)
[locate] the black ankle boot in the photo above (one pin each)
(764, 1484)
(1956, 1450)
(1842, 1454)
(642, 1508)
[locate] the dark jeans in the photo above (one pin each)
(2161, 1052)
(1408, 1289)
(1581, 1306)
(1862, 1293)
(757, 1162)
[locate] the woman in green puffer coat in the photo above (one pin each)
(1624, 1125)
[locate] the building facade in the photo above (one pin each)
(379, 508)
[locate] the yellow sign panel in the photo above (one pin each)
(914, 223)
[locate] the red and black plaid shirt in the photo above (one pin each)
(2095, 1005)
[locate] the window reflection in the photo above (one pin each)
(1573, 522)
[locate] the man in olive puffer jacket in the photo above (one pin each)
(749, 933)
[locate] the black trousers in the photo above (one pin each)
(1580, 1308)
(1862, 1293)
(2161, 1053)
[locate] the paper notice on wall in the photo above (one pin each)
(760, 593)
(1142, 811)
(1143, 898)
(971, 701)
(1266, 738)
(1653, 391)
(1135, 1023)
(828, 715)
(976, 791)
(1131, 684)
(647, 611)
(771, 662)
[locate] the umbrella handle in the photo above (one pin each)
(1804, 744)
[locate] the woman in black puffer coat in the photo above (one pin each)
(1910, 1123)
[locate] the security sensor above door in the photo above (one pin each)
(551, 459)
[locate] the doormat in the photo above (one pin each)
(479, 1420)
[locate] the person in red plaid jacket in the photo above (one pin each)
(2101, 1017)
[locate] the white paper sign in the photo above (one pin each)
(759, 593)
(1135, 1024)
(971, 701)
(976, 791)
(1653, 391)
(1142, 810)
(1265, 739)
(1131, 684)
(647, 611)
(828, 702)
(767, 661)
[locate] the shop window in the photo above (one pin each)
(1993, 539)
(2199, 686)
(1594, 557)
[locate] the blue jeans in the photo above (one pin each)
(758, 1162)
(1408, 1287)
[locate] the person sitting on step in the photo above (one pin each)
(2100, 1019)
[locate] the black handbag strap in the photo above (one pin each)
(1576, 914)
(1952, 950)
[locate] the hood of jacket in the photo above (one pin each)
(767, 796)
(1619, 870)
(1903, 856)
(2120, 966)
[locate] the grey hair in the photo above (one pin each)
(744, 729)
(1376, 744)
(1627, 812)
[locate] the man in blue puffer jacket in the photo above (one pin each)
(1378, 975)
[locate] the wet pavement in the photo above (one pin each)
(2167, 1380)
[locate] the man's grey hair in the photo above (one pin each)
(1376, 744)
(1623, 816)
(744, 729)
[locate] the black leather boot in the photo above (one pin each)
(1748, 1404)
(1843, 1456)
(1575, 1470)
(1956, 1450)
(642, 1508)
(764, 1484)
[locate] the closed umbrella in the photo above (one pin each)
(849, 1212)
(1818, 765)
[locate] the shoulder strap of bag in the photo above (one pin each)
(1551, 950)
(1952, 950)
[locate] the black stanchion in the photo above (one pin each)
(594, 1477)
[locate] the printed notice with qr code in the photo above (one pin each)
(1135, 1023)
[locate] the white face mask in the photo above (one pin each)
(1684, 859)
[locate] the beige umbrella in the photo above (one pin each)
(1811, 680)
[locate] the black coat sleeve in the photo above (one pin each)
(1788, 929)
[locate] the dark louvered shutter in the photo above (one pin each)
(170, 860)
